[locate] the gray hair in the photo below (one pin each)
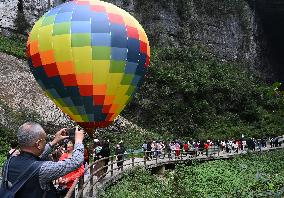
(29, 133)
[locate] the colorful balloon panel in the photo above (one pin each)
(89, 57)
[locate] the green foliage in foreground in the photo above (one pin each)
(254, 175)
(9, 131)
(14, 45)
(133, 138)
(189, 93)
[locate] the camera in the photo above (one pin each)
(71, 133)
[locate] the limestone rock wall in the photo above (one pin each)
(229, 29)
(8, 12)
(31, 9)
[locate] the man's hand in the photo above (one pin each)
(60, 135)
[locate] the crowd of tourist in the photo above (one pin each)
(69, 158)
(174, 148)
(100, 151)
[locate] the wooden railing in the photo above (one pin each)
(91, 182)
(147, 159)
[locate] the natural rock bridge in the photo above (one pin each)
(91, 185)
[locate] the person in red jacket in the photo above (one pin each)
(206, 147)
(177, 150)
(185, 148)
(66, 181)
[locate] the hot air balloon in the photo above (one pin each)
(89, 57)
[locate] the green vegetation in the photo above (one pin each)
(189, 93)
(14, 45)
(7, 135)
(253, 175)
(132, 138)
(14, 119)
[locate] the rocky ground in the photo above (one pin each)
(19, 90)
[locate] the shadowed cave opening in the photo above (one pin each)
(271, 13)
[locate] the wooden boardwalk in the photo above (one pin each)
(114, 173)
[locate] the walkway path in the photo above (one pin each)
(155, 162)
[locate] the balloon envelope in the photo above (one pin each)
(89, 57)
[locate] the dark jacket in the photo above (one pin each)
(31, 188)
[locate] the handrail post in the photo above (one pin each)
(132, 158)
(145, 153)
(157, 157)
(111, 165)
(80, 185)
(166, 154)
(91, 180)
(72, 189)
(123, 156)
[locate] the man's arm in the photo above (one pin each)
(50, 171)
(48, 147)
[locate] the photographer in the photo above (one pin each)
(34, 149)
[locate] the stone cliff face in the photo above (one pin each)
(229, 29)
(31, 11)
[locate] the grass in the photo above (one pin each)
(14, 45)
(252, 175)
